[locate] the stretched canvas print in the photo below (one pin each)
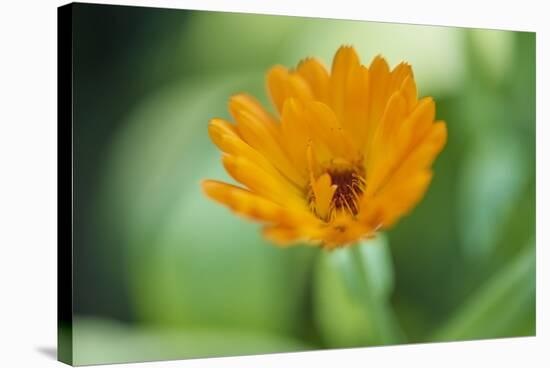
(235, 184)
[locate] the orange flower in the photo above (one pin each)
(350, 153)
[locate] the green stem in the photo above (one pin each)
(384, 321)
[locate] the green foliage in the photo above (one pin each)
(101, 342)
(503, 306)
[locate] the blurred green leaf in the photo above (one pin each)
(494, 52)
(99, 341)
(241, 41)
(488, 192)
(504, 306)
(351, 295)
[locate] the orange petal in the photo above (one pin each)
(401, 196)
(398, 75)
(408, 88)
(260, 137)
(312, 122)
(355, 114)
(273, 187)
(244, 102)
(417, 125)
(349, 92)
(379, 77)
(416, 159)
(218, 129)
(224, 136)
(323, 191)
(345, 61)
(316, 75)
(394, 116)
(326, 130)
(423, 155)
(283, 84)
(295, 133)
(246, 203)
(344, 231)
(283, 235)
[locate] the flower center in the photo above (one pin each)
(338, 189)
(349, 187)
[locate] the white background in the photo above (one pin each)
(28, 182)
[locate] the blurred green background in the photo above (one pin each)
(163, 273)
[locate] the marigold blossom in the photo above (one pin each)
(348, 155)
